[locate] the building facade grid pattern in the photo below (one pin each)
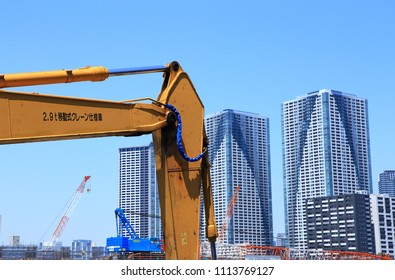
(387, 183)
(326, 151)
(239, 156)
(383, 217)
(341, 223)
(138, 190)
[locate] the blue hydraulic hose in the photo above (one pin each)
(180, 146)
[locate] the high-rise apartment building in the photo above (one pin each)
(383, 217)
(138, 190)
(387, 183)
(239, 155)
(326, 152)
(340, 223)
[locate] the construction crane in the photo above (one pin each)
(133, 243)
(143, 214)
(69, 211)
(228, 216)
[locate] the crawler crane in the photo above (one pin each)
(175, 120)
(128, 241)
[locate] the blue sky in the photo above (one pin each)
(244, 55)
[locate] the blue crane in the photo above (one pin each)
(131, 243)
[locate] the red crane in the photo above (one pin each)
(69, 210)
(229, 214)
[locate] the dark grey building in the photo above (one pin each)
(98, 252)
(19, 252)
(341, 223)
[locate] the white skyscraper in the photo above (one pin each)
(383, 218)
(138, 190)
(239, 155)
(326, 152)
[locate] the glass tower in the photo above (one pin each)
(387, 182)
(326, 152)
(239, 155)
(138, 190)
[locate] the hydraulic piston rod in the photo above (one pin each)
(137, 70)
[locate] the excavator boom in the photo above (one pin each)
(181, 166)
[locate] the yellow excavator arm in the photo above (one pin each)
(182, 166)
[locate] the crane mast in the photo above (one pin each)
(69, 211)
(229, 214)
